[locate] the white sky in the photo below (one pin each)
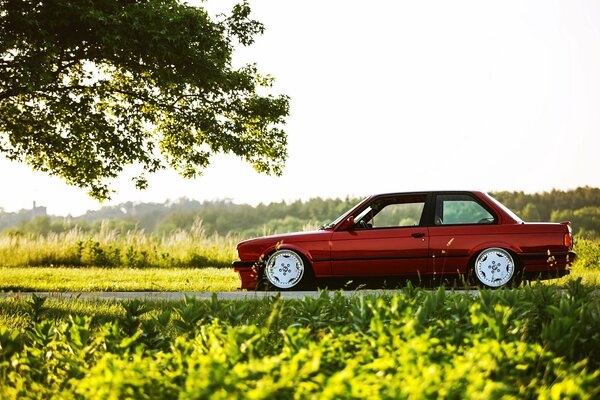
(401, 95)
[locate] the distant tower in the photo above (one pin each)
(37, 211)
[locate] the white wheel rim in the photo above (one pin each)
(494, 267)
(284, 269)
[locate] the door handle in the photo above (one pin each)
(418, 235)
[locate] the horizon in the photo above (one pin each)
(169, 202)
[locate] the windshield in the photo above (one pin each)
(505, 209)
(342, 217)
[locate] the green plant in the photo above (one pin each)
(528, 342)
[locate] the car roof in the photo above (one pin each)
(427, 192)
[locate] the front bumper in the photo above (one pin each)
(248, 272)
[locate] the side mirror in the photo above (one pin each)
(347, 224)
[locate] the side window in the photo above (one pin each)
(392, 212)
(460, 210)
(403, 214)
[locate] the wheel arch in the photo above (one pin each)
(287, 246)
(514, 250)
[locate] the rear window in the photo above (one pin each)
(461, 209)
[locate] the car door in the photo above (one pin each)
(388, 239)
(461, 221)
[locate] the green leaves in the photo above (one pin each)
(412, 344)
(87, 88)
(241, 26)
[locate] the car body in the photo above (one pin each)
(396, 235)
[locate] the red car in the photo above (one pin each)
(398, 235)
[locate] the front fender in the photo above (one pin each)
(288, 246)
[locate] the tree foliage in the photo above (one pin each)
(540, 206)
(89, 87)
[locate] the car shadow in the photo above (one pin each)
(393, 283)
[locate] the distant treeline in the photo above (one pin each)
(581, 206)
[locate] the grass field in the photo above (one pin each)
(137, 276)
(94, 279)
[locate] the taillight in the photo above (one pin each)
(568, 240)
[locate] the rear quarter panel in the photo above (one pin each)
(453, 247)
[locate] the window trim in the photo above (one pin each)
(424, 212)
(437, 200)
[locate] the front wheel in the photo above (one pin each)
(494, 267)
(286, 269)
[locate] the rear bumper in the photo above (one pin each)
(547, 259)
(248, 272)
(547, 265)
(541, 275)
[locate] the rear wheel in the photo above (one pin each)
(285, 269)
(494, 267)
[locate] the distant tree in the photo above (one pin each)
(88, 87)
(530, 213)
(586, 221)
(176, 220)
(223, 217)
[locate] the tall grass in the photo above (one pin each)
(109, 248)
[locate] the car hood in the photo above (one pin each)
(291, 237)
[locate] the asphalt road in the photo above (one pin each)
(199, 295)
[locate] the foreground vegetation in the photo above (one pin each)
(531, 342)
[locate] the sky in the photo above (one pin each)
(392, 96)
